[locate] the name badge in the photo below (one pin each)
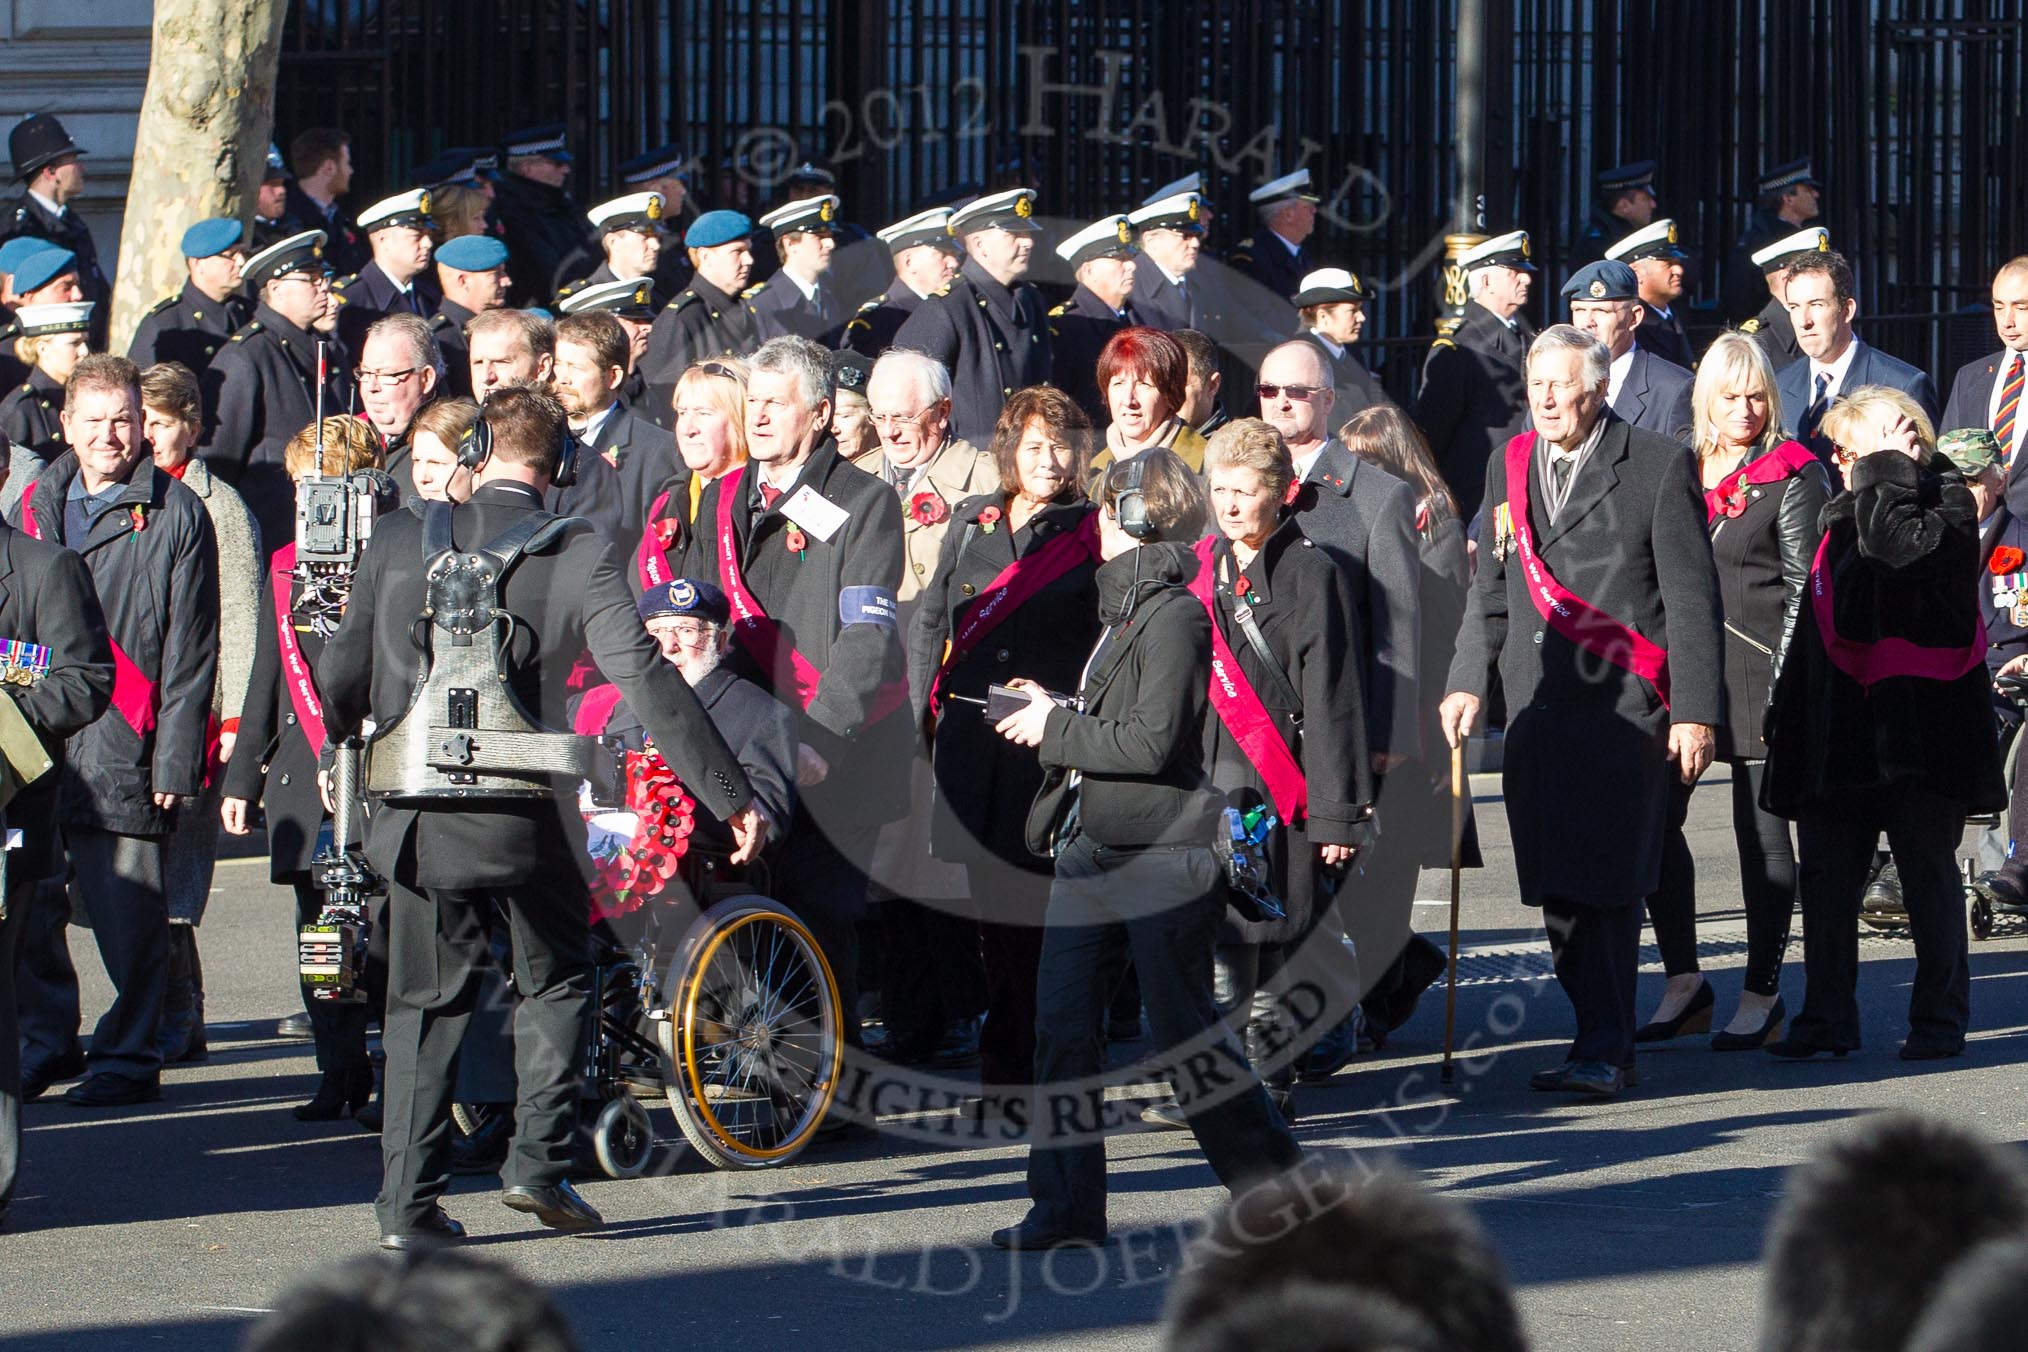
(815, 513)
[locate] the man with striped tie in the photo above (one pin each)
(1987, 392)
(1822, 302)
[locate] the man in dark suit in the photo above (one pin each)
(1104, 259)
(1626, 203)
(925, 259)
(1771, 328)
(1650, 393)
(445, 860)
(1657, 261)
(322, 158)
(1614, 516)
(397, 279)
(192, 325)
(1474, 390)
(1168, 291)
(47, 164)
(544, 226)
(1789, 197)
(1275, 254)
(401, 368)
(1822, 302)
(1988, 392)
(1331, 310)
(591, 366)
(798, 299)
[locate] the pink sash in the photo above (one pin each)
(758, 633)
(1569, 614)
(651, 561)
(1786, 459)
(595, 710)
(134, 695)
(1871, 663)
(1240, 709)
(296, 673)
(1013, 585)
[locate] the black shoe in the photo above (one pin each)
(1285, 1104)
(433, 1231)
(557, 1206)
(1881, 905)
(339, 1094)
(1166, 1116)
(1917, 1050)
(109, 1089)
(485, 1150)
(295, 1028)
(1122, 1030)
(1029, 1235)
(1335, 1050)
(959, 1045)
(1595, 1078)
(1793, 1048)
(1769, 1031)
(368, 1116)
(1694, 1017)
(35, 1082)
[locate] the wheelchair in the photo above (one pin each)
(1983, 904)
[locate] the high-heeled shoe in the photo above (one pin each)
(1770, 1030)
(1694, 1017)
(340, 1093)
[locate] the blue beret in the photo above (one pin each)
(1608, 279)
(16, 250)
(209, 239)
(685, 596)
(472, 253)
(717, 227)
(42, 267)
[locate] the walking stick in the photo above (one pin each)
(1457, 872)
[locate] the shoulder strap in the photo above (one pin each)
(436, 519)
(1248, 625)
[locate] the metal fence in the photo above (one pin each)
(1907, 106)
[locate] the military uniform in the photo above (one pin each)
(1664, 336)
(68, 231)
(1600, 232)
(345, 247)
(263, 390)
(993, 339)
(604, 274)
(1079, 329)
(189, 327)
(1474, 397)
(543, 228)
(32, 415)
(871, 331)
(1772, 329)
(702, 322)
(1266, 258)
(370, 293)
(447, 326)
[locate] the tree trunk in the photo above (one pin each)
(201, 147)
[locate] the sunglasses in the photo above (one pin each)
(712, 368)
(1296, 392)
(1841, 456)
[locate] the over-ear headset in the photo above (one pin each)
(475, 448)
(1130, 507)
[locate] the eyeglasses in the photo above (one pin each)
(887, 420)
(375, 379)
(688, 631)
(1296, 392)
(318, 281)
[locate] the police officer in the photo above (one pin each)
(988, 327)
(47, 165)
(271, 203)
(710, 318)
(665, 169)
(1657, 261)
(543, 225)
(1331, 307)
(1168, 289)
(631, 234)
(262, 387)
(397, 280)
(1772, 328)
(1626, 203)
(1104, 258)
(444, 861)
(472, 272)
(32, 414)
(925, 259)
(1788, 199)
(192, 325)
(1273, 255)
(798, 299)
(633, 304)
(1474, 382)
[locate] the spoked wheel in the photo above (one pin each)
(623, 1138)
(752, 1039)
(1981, 906)
(467, 1118)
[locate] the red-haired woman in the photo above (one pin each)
(1142, 374)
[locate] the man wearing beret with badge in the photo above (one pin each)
(712, 317)
(192, 325)
(472, 271)
(47, 165)
(1645, 390)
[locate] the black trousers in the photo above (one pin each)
(437, 946)
(19, 898)
(1597, 950)
(339, 1026)
(1767, 880)
(45, 994)
(121, 878)
(827, 891)
(1163, 907)
(1012, 951)
(1835, 850)
(930, 974)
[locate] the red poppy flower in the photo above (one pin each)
(2007, 559)
(795, 541)
(988, 515)
(667, 530)
(927, 508)
(140, 519)
(664, 817)
(1242, 587)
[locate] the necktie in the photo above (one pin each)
(770, 495)
(1189, 302)
(1815, 413)
(2010, 403)
(1559, 471)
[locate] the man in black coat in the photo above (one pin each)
(1474, 391)
(1645, 390)
(1626, 203)
(1787, 199)
(1169, 291)
(192, 325)
(472, 273)
(629, 245)
(543, 226)
(815, 549)
(262, 387)
(799, 298)
(712, 317)
(48, 168)
(988, 327)
(925, 260)
(1105, 261)
(322, 158)
(444, 861)
(1614, 516)
(1771, 327)
(46, 599)
(154, 562)
(1274, 255)
(1988, 392)
(1657, 261)
(398, 279)
(400, 370)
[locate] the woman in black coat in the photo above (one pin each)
(1763, 496)
(1038, 539)
(1128, 811)
(52, 342)
(1882, 721)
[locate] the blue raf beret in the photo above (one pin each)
(209, 239)
(1608, 279)
(685, 596)
(717, 227)
(42, 267)
(17, 250)
(473, 253)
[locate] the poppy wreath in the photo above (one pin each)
(664, 818)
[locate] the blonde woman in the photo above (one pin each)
(710, 406)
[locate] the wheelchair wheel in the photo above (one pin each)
(1981, 912)
(623, 1138)
(752, 1041)
(465, 1117)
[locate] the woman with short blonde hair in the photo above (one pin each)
(1252, 444)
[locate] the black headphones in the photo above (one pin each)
(475, 448)
(1130, 508)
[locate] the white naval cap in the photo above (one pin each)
(404, 208)
(1657, 239)
(1288, 188)
(1190, 182)
(635, 211)
(1508, 251)
(811, 213)
(69, 316)
(1782, 252)
(1013, 210)
(1109, 237)
(925, 227)
(1184, 211)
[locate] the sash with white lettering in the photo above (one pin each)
(651, 560)
(1564, 610)
(1239, 707)
(1784, 460)
(296, 673)
(134, 694)
(1871, 663)
(1011, 587)
(757, 631)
